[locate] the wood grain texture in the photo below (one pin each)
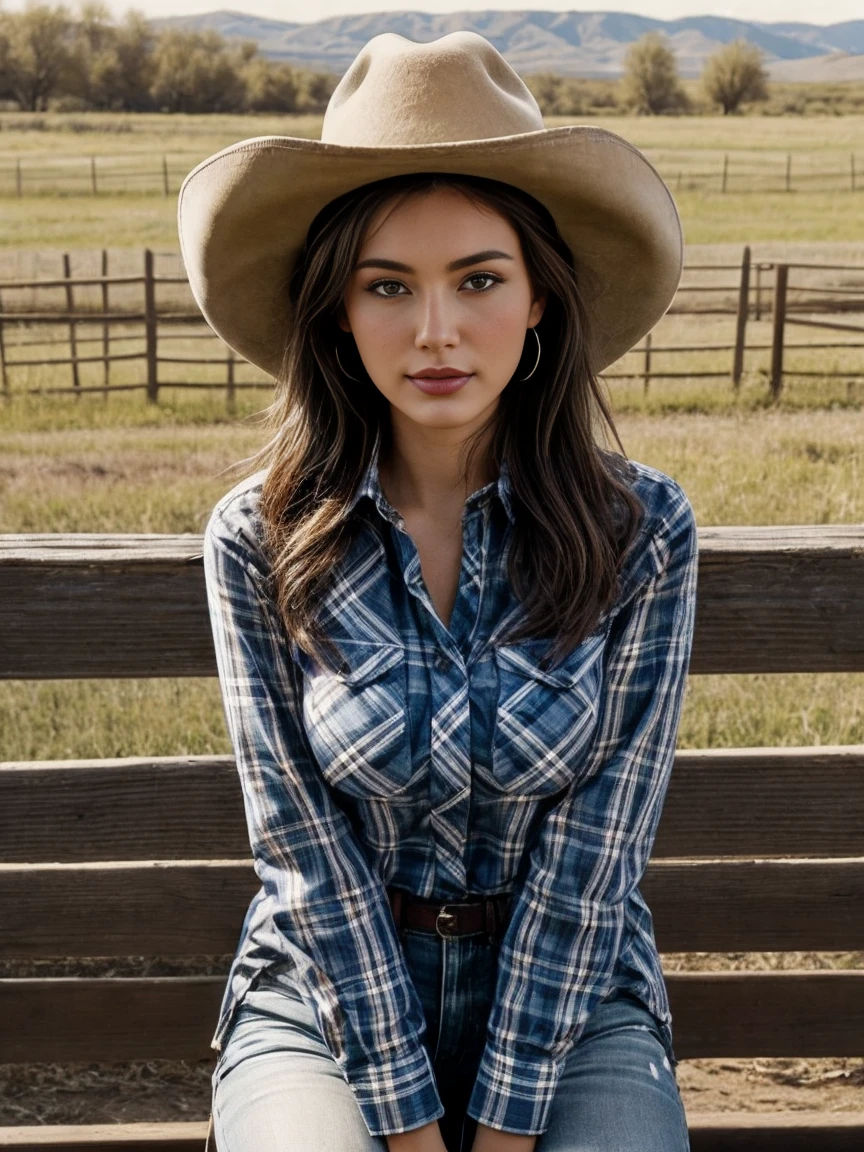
(186, 908)
(179, 1136)
(741, 1014)
(770, 599)
(709, 1132)
(797, 802)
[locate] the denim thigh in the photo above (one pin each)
(276, 1086)
(618, 1091)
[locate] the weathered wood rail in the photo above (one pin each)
(759, 849)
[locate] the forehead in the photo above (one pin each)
(439, 217)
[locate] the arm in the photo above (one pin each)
(592, 848)
(330, 911)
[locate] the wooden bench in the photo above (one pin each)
(759, 849)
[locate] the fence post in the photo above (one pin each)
(725, 170)
(852, 169)
(93, 174)
(18, 176)
(741, 322)
(758, 315)
(106, 337)
(73, 342)
(788, 171)
(231, 393)
(647, 373)
(781, 276)
(4, 371)
(165, 175)
(150, 321)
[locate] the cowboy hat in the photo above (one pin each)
(451, 105)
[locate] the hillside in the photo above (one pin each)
(591, 44)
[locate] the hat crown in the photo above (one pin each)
(399, 92)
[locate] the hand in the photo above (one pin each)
(426, 1138)
(494, 1140)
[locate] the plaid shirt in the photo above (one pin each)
(443, 762)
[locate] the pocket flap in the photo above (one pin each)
(366, 660)
(525, 656)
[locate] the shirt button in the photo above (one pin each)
(442, 663)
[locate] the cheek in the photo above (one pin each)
(501, 329)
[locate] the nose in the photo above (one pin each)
(437, 325)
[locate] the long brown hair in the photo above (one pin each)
(575, 513)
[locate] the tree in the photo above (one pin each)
(94, 67)
(36, 55)
(136, 42)
(735, 75)
(650, 83)
(195, 72)
(270, 87)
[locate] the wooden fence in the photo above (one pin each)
(109, 175)
(759, 849)
(760, 289)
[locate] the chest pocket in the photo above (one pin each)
(544, 718)
(357, 719)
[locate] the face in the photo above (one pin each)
(441, 283)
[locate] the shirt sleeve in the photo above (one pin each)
(591, 850)
(329, 908)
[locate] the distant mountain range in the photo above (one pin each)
(591, 44)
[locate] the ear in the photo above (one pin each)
(342, 319)
(537, 310)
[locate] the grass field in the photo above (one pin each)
(755, 144)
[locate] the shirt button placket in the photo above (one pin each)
(451, 769)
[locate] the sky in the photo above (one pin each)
(302, 11)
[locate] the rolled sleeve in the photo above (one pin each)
(329, 908)
(591, 850)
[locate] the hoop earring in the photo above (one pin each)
(537, 361)
(339, 362)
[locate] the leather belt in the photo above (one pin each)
(489, 914)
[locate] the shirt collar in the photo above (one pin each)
(370, 485)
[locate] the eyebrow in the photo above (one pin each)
(463, 262)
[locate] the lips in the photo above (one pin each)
(440, 385)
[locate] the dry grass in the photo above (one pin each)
(691, 145)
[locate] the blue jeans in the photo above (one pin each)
(276, 1087)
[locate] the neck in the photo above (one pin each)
(423, 471)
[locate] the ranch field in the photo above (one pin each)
(756, 145)
(125, 466)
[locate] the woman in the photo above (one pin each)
(452, 628)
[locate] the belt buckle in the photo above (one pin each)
(450, 917)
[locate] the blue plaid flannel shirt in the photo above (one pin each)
(443, 762)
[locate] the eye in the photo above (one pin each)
(484, 276)
(381, 284)
(398, 283)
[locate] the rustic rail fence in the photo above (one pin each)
(785, 292)
(727, 172)
(760, 849)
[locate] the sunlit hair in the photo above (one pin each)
(575, 512)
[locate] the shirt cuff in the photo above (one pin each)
(398, 1096)
(514, 1093)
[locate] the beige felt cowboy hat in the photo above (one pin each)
(451, 105)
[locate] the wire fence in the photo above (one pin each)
(738, 172)
(156, 312)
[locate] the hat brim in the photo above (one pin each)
(244, 212)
